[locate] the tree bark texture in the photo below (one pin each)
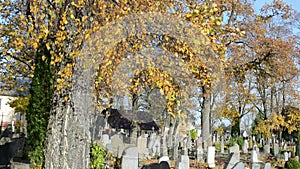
(205, 120)
(69, 136)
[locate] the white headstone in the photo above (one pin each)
(267, 148)
(156, 147)
(239, 165)
(130, 159)
(234, 156)
(286, 156)
(255, 147)
(245, 146)
(255, 166)
(255, 157)
(105, 139)
(200, 153)
(116, 140)
(211, 156)
(267, 166)
(183, 163)
(164, 158)
(142, 147)
(276, 149)
(245, 134)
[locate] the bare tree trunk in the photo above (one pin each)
(69, 136)
(205, 120)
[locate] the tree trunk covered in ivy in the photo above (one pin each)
(69, 138)
(37, 113)
(235, 129)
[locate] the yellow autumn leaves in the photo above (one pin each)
(289, 121)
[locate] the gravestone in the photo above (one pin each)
(110, 148)
(284, 146)
(183, 162)
(133, 136)
(255, 160)
(156, 147)
(117, 145)
(267, 166)
(105, 139)
(164, 158)
(286, 156)
(234, 156)
(130, 159)
(255, 147)
(211, 156)
(142, 147)
(222, 144)
(276, 149)
(239, 165)
(255, 157)
(116, 140)
(255, 166)
(152, 139)
(245, 146)
(267, 148)
(200, 153)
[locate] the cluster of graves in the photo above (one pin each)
(11, 146)
(150, 144)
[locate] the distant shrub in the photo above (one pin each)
(218, 146)
(292, 164)
(193, 134)
(238, 140)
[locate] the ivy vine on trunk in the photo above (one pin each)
(39, 106)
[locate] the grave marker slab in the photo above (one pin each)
(245, 146)
(286, 156)
(200, 153)
(267, 166)
(142, 147)
(267, 148)
(234, 156)
(130, 159)
(255, 166)
(105, 139)
(255, 157)
(183, 163)
(222, 144)
(164, 158)
(239, 165)
(211, 156)
(276, 149)
(117, 145)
